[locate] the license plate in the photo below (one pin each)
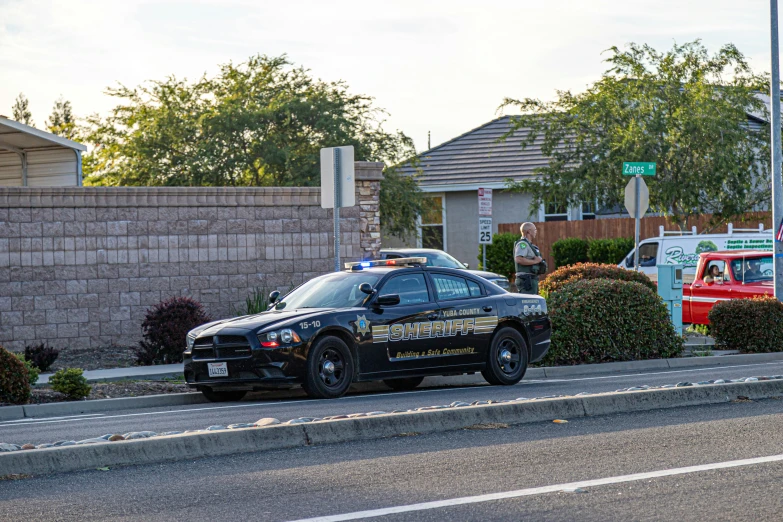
(218, 369)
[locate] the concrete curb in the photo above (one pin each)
(213, 444)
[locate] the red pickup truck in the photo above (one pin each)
(721, 276)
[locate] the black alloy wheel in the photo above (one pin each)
(403, 384)
(222, 396)
(329, 369)
(507, 358)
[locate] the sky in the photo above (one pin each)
(434, 65)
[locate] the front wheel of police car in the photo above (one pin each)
(507, 358)
(329, 369)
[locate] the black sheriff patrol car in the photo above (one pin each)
(395, 320)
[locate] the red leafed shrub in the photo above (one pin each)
(14, 383)
(166, 327)
(568, 274)
(748, 325)
(598, 320)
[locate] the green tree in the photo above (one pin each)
(258, 123)
(62, 121)
(684, 109)
(21, 110)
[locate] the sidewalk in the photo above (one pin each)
(134, 373)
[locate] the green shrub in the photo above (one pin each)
(41, 355)
(32, 371)
(748, 325)
(71, 383)
(569, 251)
(568, 274)
(600, 320)
(165, 330)
(14, 382)
(610, 251)
(500, 254)
(255, 303)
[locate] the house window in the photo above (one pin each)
(431, 230)
(554, 211)
(588, 210)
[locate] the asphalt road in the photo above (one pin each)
(340, 479)
(289, 405)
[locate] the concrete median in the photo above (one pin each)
(228, 442)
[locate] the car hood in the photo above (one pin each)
(258, 322)
(486, 275)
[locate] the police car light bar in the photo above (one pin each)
(400, 261)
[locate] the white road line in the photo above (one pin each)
(34, 420)
(99, 416)
(540, 490)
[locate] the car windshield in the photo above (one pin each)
(752, 269)
(337, 290)
(441, 259)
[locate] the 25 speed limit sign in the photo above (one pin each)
(485, 231)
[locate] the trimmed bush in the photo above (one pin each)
(71, 383)
(500, 254)
(32, 371)
(41, 356)
(568, 274)
(600, 320)
(14, 383)
(165, 329)
(610, 251)
(569, 251)
(748, 325)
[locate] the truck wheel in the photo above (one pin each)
(403, 384)
(507, 358)
(222, 396)
(329, 369)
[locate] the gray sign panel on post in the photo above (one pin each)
(347, 183)
(630, 197)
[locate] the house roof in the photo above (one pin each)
(478, 157)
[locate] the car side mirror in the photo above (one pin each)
(366, 288)
(466, 265)
(273, 296)
(388, 300)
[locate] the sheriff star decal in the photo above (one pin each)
(362, 325)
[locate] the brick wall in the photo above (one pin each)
(80, 266)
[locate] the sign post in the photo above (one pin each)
(637, 198)
(485, 222)
(338, 187)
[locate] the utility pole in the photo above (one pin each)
(429, 145)
(777, 183)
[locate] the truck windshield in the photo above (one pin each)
(752, 269)
(337, 290)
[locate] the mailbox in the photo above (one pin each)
(670, 290)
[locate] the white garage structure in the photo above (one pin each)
(30, 157)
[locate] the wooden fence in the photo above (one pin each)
(551, 231)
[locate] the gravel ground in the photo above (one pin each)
(112, 356)
(112, 390)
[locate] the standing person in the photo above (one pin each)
(527, 260)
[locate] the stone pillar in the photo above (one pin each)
(368, 189)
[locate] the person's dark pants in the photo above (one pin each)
(526, 283)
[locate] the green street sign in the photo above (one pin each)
(631, 168)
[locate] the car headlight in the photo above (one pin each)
(275, 339)
(191, 339)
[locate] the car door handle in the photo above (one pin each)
(432, 316)
(487, 308)
(696, 285)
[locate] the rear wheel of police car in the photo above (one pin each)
(507, 358)
(222, 396)
(403, 384)
(329, 369)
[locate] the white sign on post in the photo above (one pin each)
(347, 183)
(630, 198)
(485, 201)
(485, 231)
